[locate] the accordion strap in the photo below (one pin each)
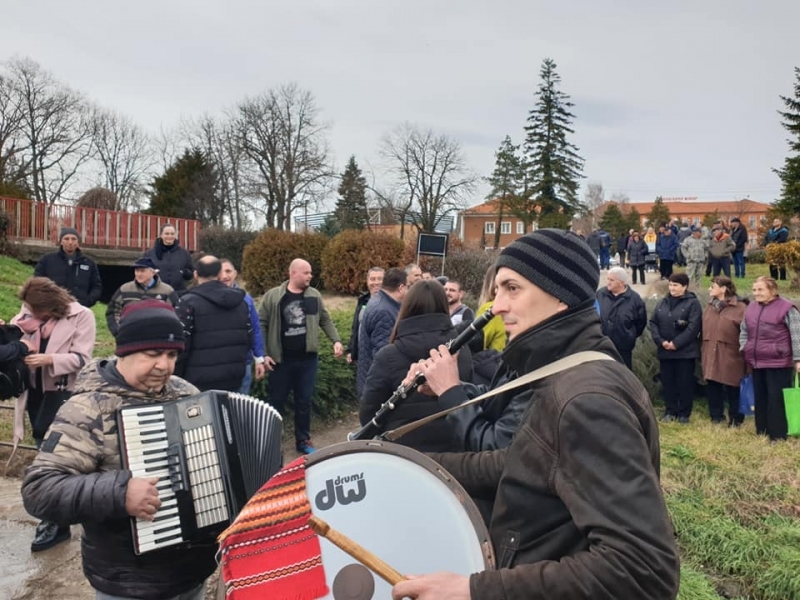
(562, 364)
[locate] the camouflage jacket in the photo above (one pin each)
(77, 478)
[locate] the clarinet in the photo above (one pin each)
(375, 425)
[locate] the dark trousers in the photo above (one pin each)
(720, 264)
(665, 267)
(621, 258)
(297, 376)
(605, 258)
(775, 270)
(738, 264)
(677, 383)
(769, 412)
(640, 269)
(627, 357)
(718, 395)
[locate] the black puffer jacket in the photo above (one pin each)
(680, 321)
(416, 337)
(492, 423)
(77, 478)
(623, 317)
(216, 321)
(78, 274)
(174, 264)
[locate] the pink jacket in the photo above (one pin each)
(71, 345)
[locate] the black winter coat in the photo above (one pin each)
(352, 345)
(623, 317)
(739, 237)
(81, 278)
(416, 337)
(216, 322)
(174, 264)
(680, 321)
(637, 251)
(377, 323)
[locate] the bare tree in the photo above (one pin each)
(124, 152)
(431, 173)
(10, 135)
(281, 133)
(55, 128)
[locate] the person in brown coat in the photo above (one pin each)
(723, 363)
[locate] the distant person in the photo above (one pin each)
(374, 281)
(494, 333)
(667, 249)
(413, 273)
(637, 256)
(427, 276)
(720, 252)
(622, 247)
(146, 284)
(71, 269)
(777, 234)
(173, 261)
(458, 310)
(291, 317)
(740, 238)
(255, 356)
(695, 252)
(622, 313)
(218, 331)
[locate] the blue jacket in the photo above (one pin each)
(374, 332)
(667, 247)
(258, 341)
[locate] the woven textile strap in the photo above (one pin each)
(269, 551)
(562, 364)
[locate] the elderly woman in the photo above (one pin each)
(723, 363)
(173, 262)
(675, 325)
(637, 256)
(423, 323)
(61, 333)
(771, 348)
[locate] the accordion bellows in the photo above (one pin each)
(270, 551)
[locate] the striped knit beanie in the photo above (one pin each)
(557, 261)
(148, 324)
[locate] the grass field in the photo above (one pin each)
(734, 497)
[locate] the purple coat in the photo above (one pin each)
(769, 344)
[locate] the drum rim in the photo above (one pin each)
(380, 447)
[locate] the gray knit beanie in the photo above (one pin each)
(69, 231)
(557, 261)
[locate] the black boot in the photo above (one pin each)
(48, 534)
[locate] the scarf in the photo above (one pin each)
(36, 329)
(270, 551)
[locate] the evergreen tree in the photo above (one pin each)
(330, 226)
(188, 189)
(507, 183)
(711, 218)
(614, 222)
(351, 207)
(789, 202)
(633, 220)
(553, 167)
(659, 215)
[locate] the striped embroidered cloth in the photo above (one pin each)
(269, 551)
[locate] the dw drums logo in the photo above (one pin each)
(335, 491)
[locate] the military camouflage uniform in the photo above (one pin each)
(76, 478)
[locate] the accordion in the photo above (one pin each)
(210, 452)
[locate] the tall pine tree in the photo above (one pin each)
(188, 189)
(351, 207)
(659, 214)
(554, 168)
(507, 184)
(789, 202)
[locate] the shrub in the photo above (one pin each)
(786, 255)
(468, 266)
(757, 256)
(349, 256)
(335, 388)
(5, 223)
(265, 261)
(226, 243)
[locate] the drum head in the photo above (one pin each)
(398, 504)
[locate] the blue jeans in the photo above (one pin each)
(247, 381)
(297, 376)
(605, 258)
(196, 594)
(738, 264)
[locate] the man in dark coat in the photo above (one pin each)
(219, 334)
(77, 477)
(374, 281)
(578, 511)
(71, 269)
(739, 236)
(777, 234)
(622, 313)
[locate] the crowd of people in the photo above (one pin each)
(563, 445)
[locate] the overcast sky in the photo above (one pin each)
(673, 98)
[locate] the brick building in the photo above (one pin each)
(479, 223)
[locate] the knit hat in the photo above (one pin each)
(557, 261)
(68, 231)
(149, 324)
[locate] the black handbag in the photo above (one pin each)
(51, 402)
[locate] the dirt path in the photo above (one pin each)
(57, 573)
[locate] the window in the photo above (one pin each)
(520, 227)
(505, 227)
(488, 227)
(752, 222)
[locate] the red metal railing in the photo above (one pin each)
(98, 227)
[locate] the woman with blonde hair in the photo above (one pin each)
(494, 334)
(62, 334)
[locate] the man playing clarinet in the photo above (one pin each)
(577, 509)
(77, 476)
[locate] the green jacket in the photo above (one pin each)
(317, 317)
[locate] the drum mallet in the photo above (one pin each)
(361, 554)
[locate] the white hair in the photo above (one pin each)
(620, 274)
